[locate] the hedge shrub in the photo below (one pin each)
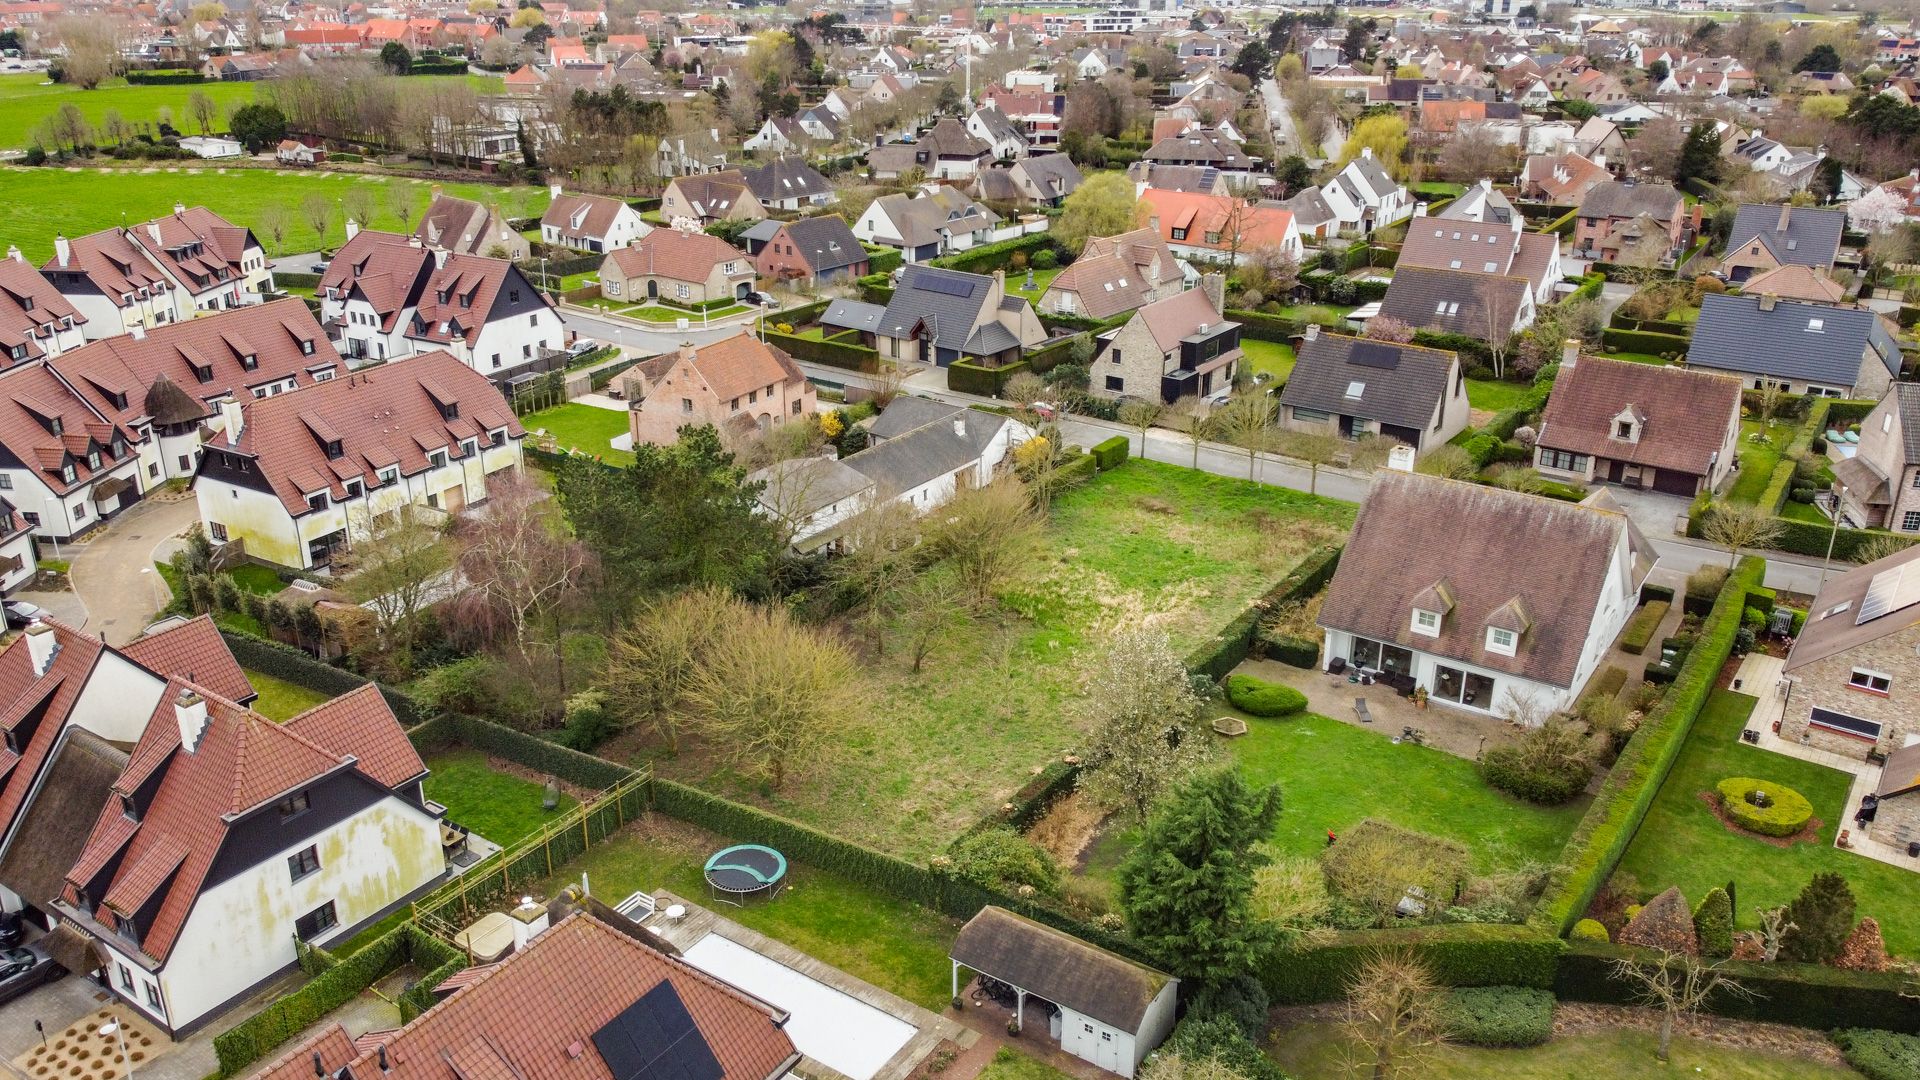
(1111, 453)
(966, 377)
(1235, 640)
(1509, 768)
(172, 77)
(1031, 802)
(987, 258)
(1643, 341)
(1258, 697)
(1713, 923)
(1608, 827)
(290, 664)
(1293, 651)
(1591, 930)
(1641, 627)
(1458, 954)
(1804, 995)
(1880, 1055)
(1786, 814)
(831, 353)
(1260, 326)
(884, 260)
(1499, 1016)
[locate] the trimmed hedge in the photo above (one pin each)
(1293, 651)
(965, 377)
(1111, 453)
(1257, 697)
(175, 77)
(1641, 626)
(1235, 640)
(1458, 954)
(987, 258)
(831, 353)
(296, 279)
(1643, 341)
(1030, 803)
(537, 754)
(1880, 1055)
(1787, 814)
(419, 997)
(1260, 326)
(1589, 930)
(1499, 1016)
(883, 260)
(291, 665)
(1608, 683)
(1804, 995)
(1608, 827)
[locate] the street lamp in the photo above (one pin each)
(1839, 491)
(112, 1029)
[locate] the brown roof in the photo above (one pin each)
(1491, 548)
(470, 284)
(50, 697)
(1058, 967)
(79, 781)
(383, 416)
(32, 398)
(387, 269)
(1795, 282)
(1685, 413)
(361, 723)
(459, 225)
(194, 651)
(200, 248)
(1831, 626)
(732, 366)
(714, 194)
(680, 256)
(1177, 316)
(536, 1014)
(112, 263)
(30, 309)
(1112, 273)
(595, 214)
(1901, 773)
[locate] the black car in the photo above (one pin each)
(20, 613)
(11, 927)
(25, 968)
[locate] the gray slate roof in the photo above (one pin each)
(826, 242)
(1401, 385)
(1811, 238)
(1059, 967)
(949, 299)
(905, 414)
(788, 177)
(852, 315)
(1734, 334)
(1416, 293)
(800, 487)
(932, 450)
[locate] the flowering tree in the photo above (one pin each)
(1878, 211)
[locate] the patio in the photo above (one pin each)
(1456, 731)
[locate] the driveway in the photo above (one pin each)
(113, 573)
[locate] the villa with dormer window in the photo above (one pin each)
(1492, 601)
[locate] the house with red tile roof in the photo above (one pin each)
(582, 1001)
(738, 384)
(297, 477)
(67, 465)
(679, 266)
(35, 320)
(1218, 228)
(206, 263)
(108, 278)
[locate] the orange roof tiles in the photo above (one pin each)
(193, 651)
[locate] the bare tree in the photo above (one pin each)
(274, 220)
(879, 560)
(1142, 711)
(650, 663)
(985, 534)
(319, 214)
(1140, 415)
(1246, 421)
(204, 111)
(1194, 419)
(772, 694)
(932, 608)
(1394, 1015)
(357, 205)
(1736, 526)
(518, 557)
(1314, 448)
(94, 48)
(400, 202)
(1774, 926)
(401, 567)
(1676, 984)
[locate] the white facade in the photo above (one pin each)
(53, 514)
(115, 317)
(625, 228)
(1115, 1049)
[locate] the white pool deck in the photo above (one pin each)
(845, 1027)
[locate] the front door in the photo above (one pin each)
(1107, 1054)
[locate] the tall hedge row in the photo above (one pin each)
(1235, 640)
(1644, 341)
(540, 755)
(1805, 995)
(987, 258)
(965, 377)
(1603, 834)
(1459, 954)
(291, 665)
(831, 353)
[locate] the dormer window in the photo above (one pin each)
(93, 457)
(203, 372)
(334, 450)
(127, 809)
(317, 501)
(354, 489)
(56, 426)
(437, 459)
(67, 473)
(1501, 640)
(1426, 623)
(306, 346)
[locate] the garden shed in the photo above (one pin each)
(1112, 1010)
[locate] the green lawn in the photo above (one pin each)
(1011, 1064)
(28, 98)
(1799, 511)
(280, 699)
(37, 203)
(1636, 357)
(1757, 459)
(1017, 283)
(1320, 1052)
(1273, 357)
(658, 314)
(887, 941)
(254, 578)
(500, 807)
(1496, 395)
(587, 428)
(1682, 843)
(933, 752)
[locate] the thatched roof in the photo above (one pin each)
(168, 404)
(78, 783)
(1059, 967)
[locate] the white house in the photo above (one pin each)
(35, 320)
(298, 477)
(213, 146)
(1364, 196)
(1493, 601)
(1112, 1011)
(593, 223)
(812, 498)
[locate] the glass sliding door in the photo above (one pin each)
(1379, 656)
(1463, 687)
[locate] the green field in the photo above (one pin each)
(1496, 395)
(501, 807)
(37, 203)
(1321, 1052)
(1272, 357)
(586, 428)
(27, 99)
(1682, 843)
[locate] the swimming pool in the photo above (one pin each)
(827, 1025)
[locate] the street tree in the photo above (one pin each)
(1143, 713)
(357, 205)
(1141, 414)
(274, 220)
(1314, 448)
(318, 211)
(1246, 421)
(1737, 526)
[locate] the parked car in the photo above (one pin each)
(1046, 410)
(20, 613)
(1220, 397)
(581, 347)
(318, 268)
(25, 968)
(763, 299)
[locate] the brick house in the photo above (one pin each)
(1642, 425)
(1854, 673)
(1171, 348)
(816, 249)
(1880, 484)
(680, 267)
(739, 384)
(1616, 216)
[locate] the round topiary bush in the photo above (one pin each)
(1763, 806)
(1590, 930)
(1261, 698)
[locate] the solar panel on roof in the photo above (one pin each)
(1375, 355)
(945, 286)
(1890, 590)
(655, 1038)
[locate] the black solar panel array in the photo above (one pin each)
(655, 1038)
(1373, 354)
(946, 286)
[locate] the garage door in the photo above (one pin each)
(1410, 436)
(1675, 483)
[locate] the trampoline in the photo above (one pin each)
(738, 872)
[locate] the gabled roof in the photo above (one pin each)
(1455, 301)
(853, 315)
(903, 462)
(733, 366)
(676, 255)
(1798, 235)
(25, 695)
(1795, 282)
(112, 262)
(458, 300)
(1178, 316)
(536, 1014)
(786, 177)
(32, 399)
(826, 242)
(1402, 385)
(194, 651)
(1059, 967)
(1614, 199)
(1494, 548)
(1683, 413)
(31, 309)
(459, 225)
(1118, 273)
(1796, 349)
(582, 214)
(947, 304)
(1834, 624)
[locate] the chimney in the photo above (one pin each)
(1000, 280)
(1486, 183)
(1767, 300)
(1400, 458)
(13, 252)
(1420, 209)
(179, 208)
(41, 647)
(138, 331)
(960, 427)
(353, 228)
(1215, 286)
(414, 240)
(1569, 353)
(687, 351)
(63, 251)
(190, 710)
(153, 230)
(235, 416)
(1312, 331)
(553, 190)
(1366, 152)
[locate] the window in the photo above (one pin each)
(1870, 681)
(219, 530)
(6, 482)
(317, 501)
(1910, 521)
(303, 862)
(1116, 359)
(354, 489)
(1426, 622)
(1116, 384)
(127, 809)
(389, 476)
(32, 518)
(1500, 640)
(686, 404)
(1841, 723)
(1563, 460)
(80, 511)
(1623, 429)
(153, 995)
(67, 474)
(316, 922)
(437, 459)
(1314, 415)
(469, 447)
(126, 977)
(293, 806)
(1179, 234)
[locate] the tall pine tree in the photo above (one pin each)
(1699, 156)
(1822, 917)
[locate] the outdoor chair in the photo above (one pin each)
(1360, 707)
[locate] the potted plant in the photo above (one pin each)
(1419, 697)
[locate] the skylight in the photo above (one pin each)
(1356, 388)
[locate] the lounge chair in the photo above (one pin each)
(1360, 707)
